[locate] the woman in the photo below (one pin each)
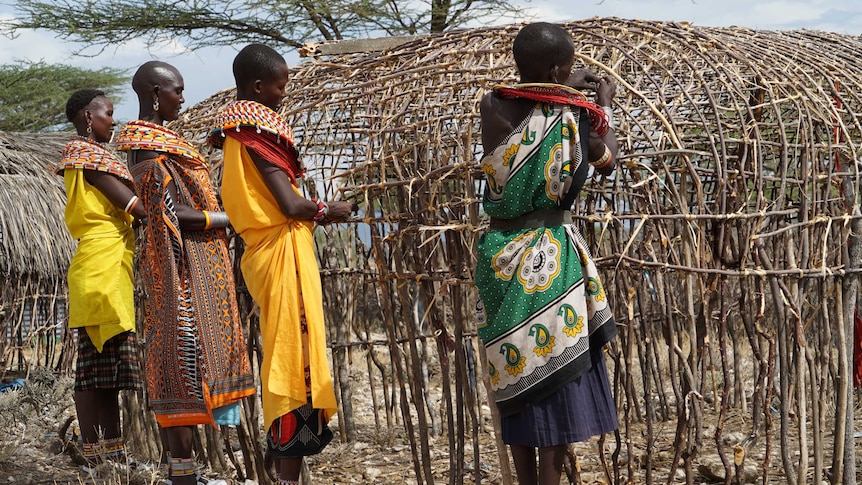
(196, 361)
(544, 316)
(101, 206)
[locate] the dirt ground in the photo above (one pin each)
(31, 451)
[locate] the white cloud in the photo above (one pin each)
(31, 45)
(834, 15)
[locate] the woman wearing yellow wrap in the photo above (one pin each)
(261, 195)
(99, 214)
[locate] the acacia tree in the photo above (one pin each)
(33, 94)
(102, 23)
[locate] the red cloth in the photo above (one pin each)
(282, 155)
(559, 94)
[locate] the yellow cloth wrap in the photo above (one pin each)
(101, 297)
(278, 265)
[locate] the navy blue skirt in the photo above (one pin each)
(582, 409)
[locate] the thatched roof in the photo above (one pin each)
(34, 242)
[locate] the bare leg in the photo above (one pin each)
(551, 464)
(99, 419)
(87, 405)
(109, 413)
(288, 468)
(166, 448)
(181, 444)
(525, 464)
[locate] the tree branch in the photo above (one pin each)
(99, 24)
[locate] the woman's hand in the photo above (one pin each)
(582, 79)
(339, 211)
(606, 91)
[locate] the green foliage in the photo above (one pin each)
(200, 23)
(33, 94)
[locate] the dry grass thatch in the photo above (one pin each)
(33, 237)
(35, 246)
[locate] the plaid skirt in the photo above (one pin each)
(115, 367)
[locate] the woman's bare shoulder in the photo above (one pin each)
(500, 116)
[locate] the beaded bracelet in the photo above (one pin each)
(610, 112)
(215, 220)
(322, 210)
(606, 159)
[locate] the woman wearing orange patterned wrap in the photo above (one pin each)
(196, 365)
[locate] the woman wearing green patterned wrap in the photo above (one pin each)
(543, 313)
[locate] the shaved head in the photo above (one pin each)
(539, 47)
(256, 62)
(159, 87)
(153, 73)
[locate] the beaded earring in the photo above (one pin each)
(156, 104)
(89, 127)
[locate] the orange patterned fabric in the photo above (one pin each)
(196, 356)
(87, 154)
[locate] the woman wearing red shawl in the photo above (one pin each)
(261, 194)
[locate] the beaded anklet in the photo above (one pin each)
(182, 467)
(93, 452)
(115, 449)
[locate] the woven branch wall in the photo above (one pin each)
(728, 239)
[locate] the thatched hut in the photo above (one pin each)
(729, 236)
(35, 247)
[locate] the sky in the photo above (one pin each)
(207, 71)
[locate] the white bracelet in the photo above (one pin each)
(610, 112)
(130, 203)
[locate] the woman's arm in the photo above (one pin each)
(292, 204)
(189, 219)
(598, 145)
(116, 191)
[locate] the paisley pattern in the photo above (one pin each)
(196, 356)
(542, 305)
